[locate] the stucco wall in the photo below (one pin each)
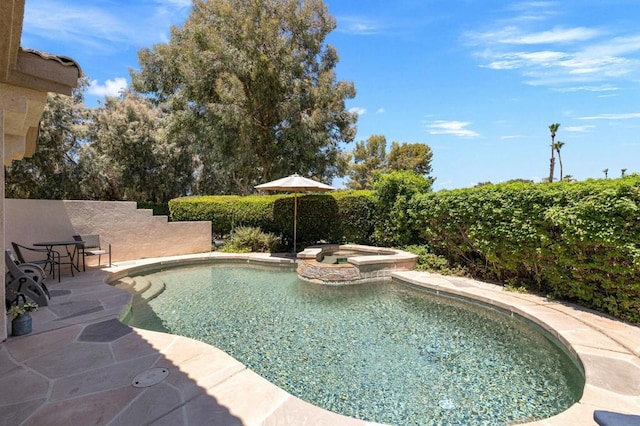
(133, 233)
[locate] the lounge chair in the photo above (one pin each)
(52, 258)
(93, 245)
(20, 281)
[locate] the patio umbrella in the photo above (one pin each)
(295, 183)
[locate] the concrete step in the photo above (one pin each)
(125, 283)
(155, 289)
(141, 284)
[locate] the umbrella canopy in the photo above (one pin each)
(295, 183)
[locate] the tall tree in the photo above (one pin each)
(368, 157)
(558, 146)
(256, 84)
(129, 157)
(553, 128)
(51, 173)
(415, 157)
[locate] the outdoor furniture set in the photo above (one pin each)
(25, 279)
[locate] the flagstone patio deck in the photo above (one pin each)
(79, 364)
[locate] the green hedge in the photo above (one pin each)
(345, 216)
(225, 212)
(570, 240)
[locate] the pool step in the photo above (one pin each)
(142, 288)
(156, 287)
(124, 283)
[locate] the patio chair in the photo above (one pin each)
(19, 283)
(52, 261)
(34, 271)
(93, 245)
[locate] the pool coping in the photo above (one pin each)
(209, 382)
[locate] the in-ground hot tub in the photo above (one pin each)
(350, 264)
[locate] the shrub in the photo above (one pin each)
(428, 261)
(246, 239)
(570, 240)
(393, 192)
(344, 216)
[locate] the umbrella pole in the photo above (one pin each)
(295, 220)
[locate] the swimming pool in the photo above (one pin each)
(382, 352)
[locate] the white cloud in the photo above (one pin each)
(358, 110)
(625, 116)
(455, 128)
(515, 35)
(601, 88)
(556, 56)
(100, 26)
(357, 25)
(578, 129)
(507, 137)
(380, 111)
(109, 88)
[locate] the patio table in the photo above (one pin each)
(70, 254)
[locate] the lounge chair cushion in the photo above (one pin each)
(609, 418)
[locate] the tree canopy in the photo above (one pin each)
(252, 84)
(369, 158)
(51, 173)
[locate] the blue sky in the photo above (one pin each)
(479, 81)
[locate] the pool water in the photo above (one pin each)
(381, 352)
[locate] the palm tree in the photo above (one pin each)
(558, 146)
(553, 128)
(606, 173)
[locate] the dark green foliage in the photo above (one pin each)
(357, 216)
(570, 240)
(428, 261)
(251, 88)
(338, 217)
(248, 239)
(226, 212)
(393, 191)
(52, 171)
(159, 209)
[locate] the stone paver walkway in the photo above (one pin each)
(81, 366)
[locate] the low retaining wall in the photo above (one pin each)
(133, 233)
(373, 263)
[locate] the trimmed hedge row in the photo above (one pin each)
(571, 240)
(336, 217)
